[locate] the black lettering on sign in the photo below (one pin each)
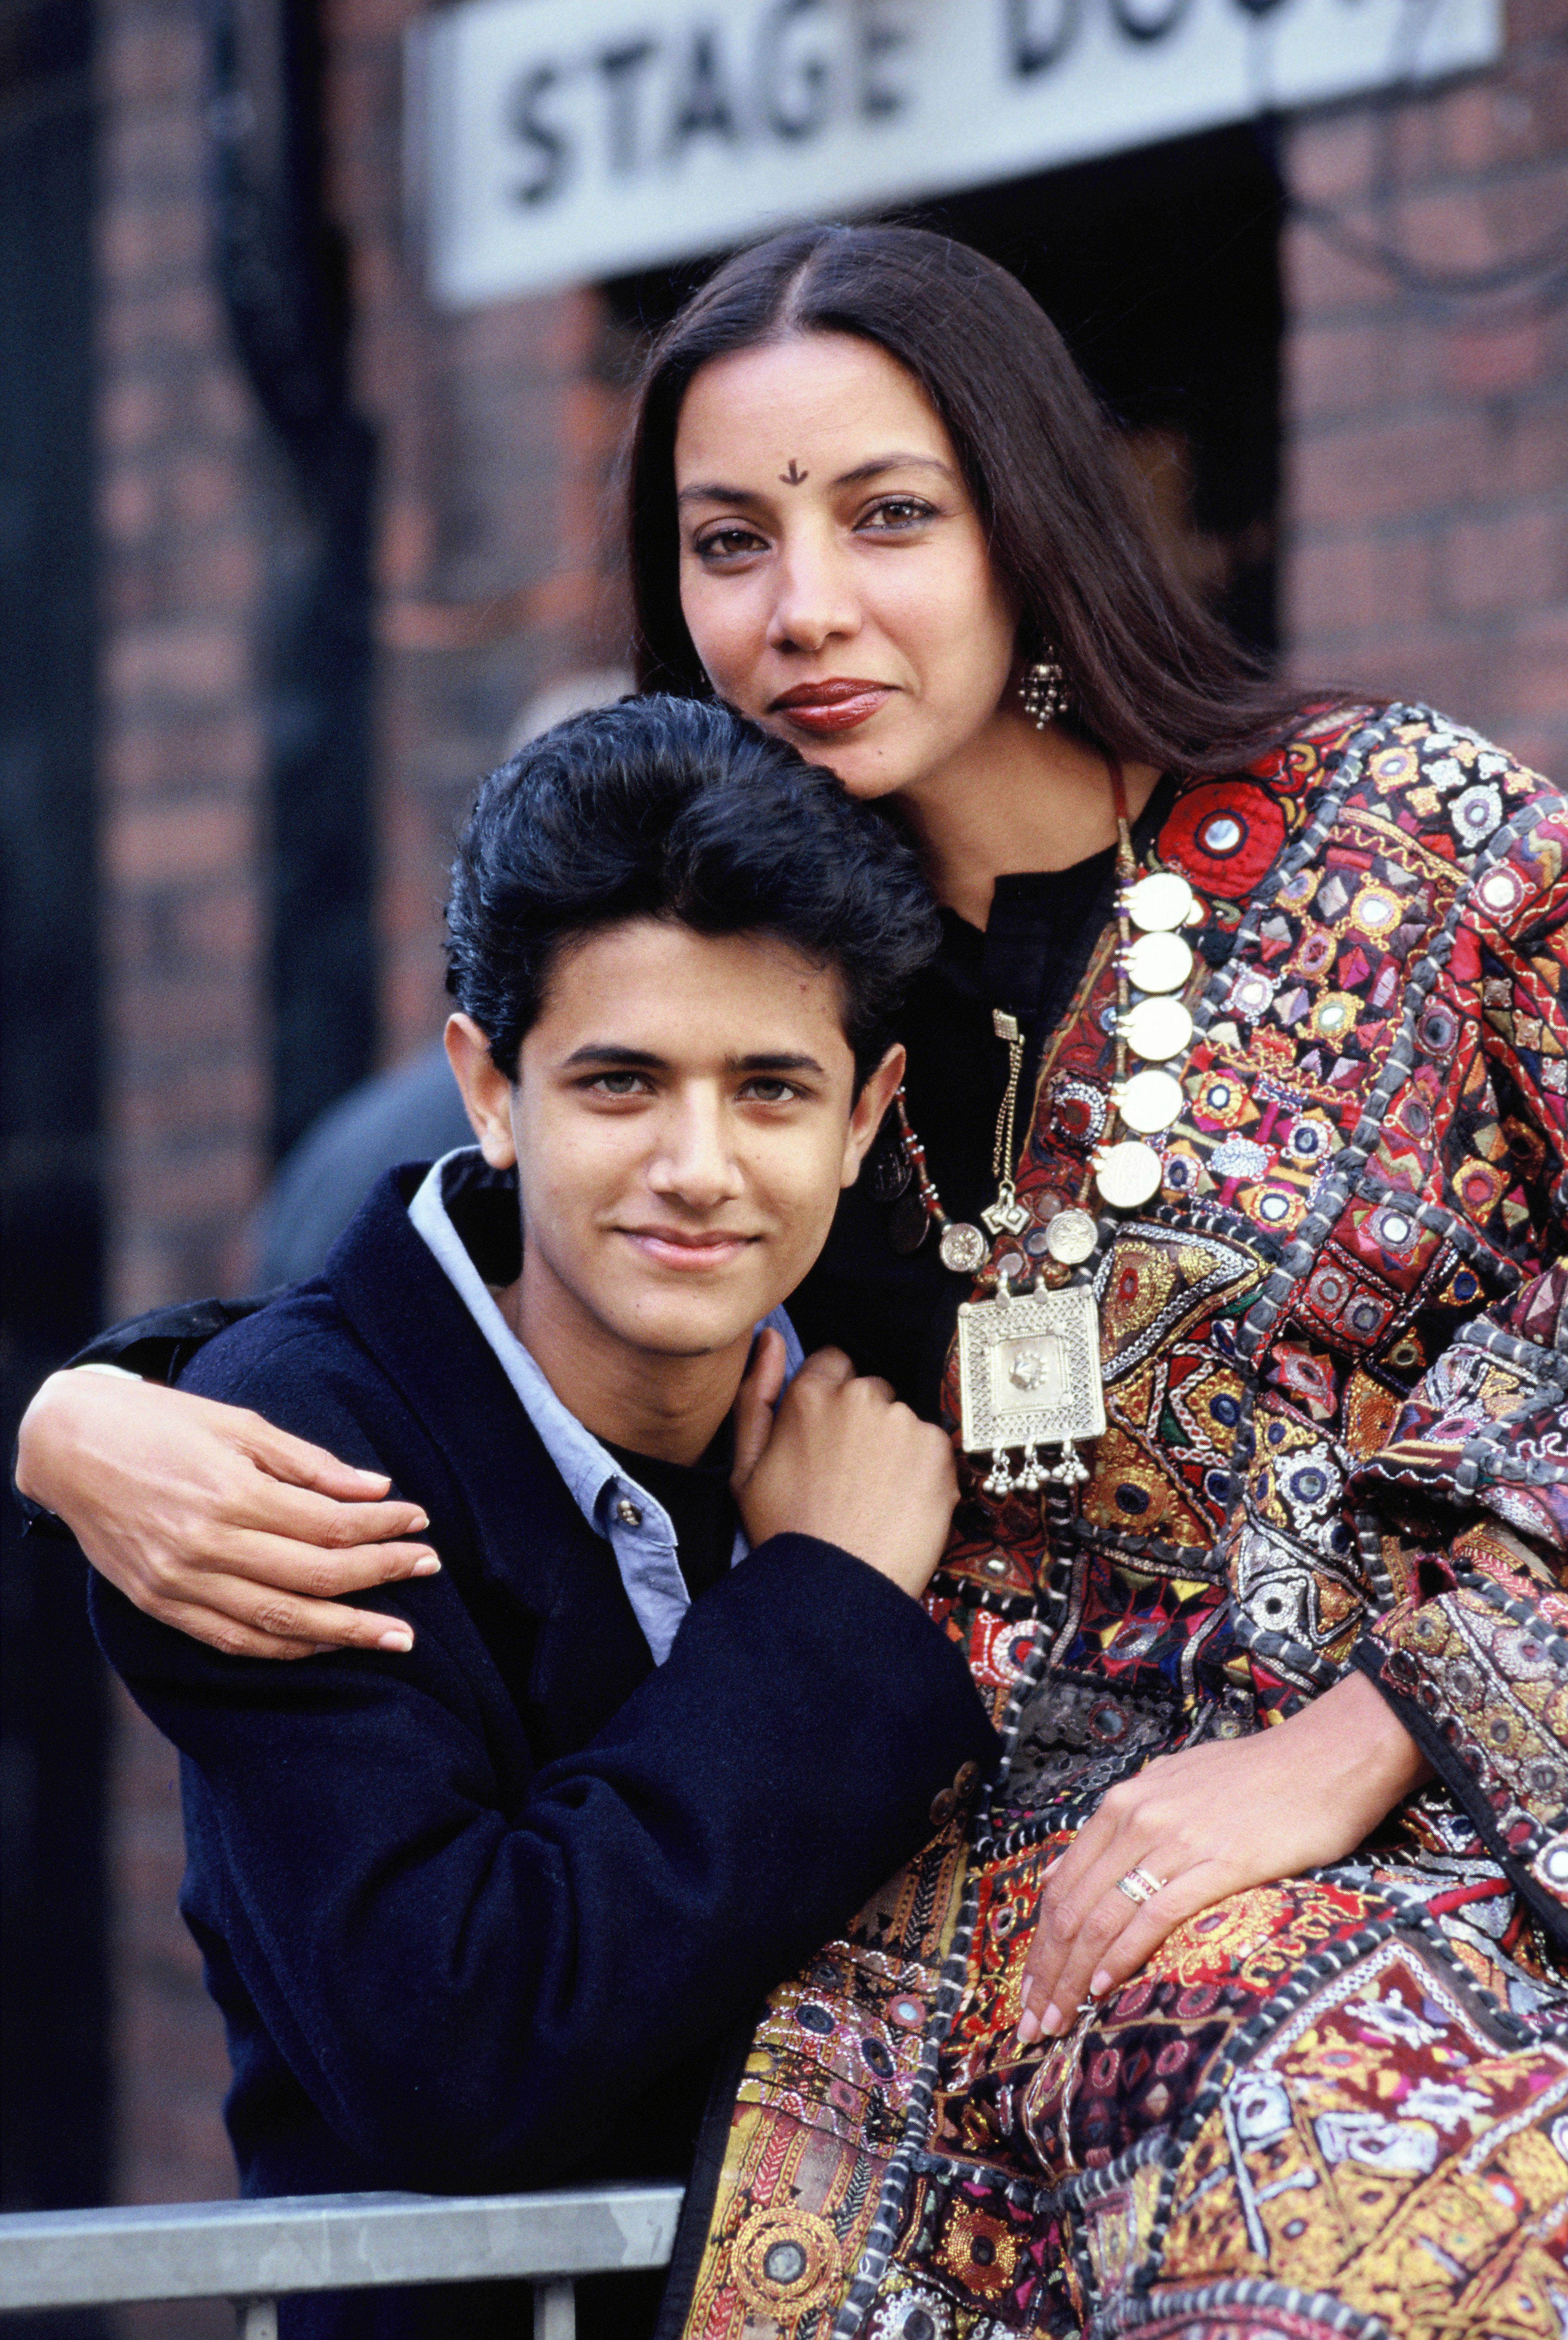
(620, 71)
(794, 78)
(877, 38)
(1040, 33)
(1149, 20)
(551, 153)
(703, 106)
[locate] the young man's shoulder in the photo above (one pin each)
(294, 1336)
(364, 1357)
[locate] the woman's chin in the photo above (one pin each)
(865, 773)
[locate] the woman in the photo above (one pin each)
(1235, 1128)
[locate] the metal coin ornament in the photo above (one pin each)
(888, 1172)
(1029, 1364)
(1158, 962)
(1157, 1028)
(1159, 902)
(1129, 1174)
(907, 1226)
(1149, 1101)
(1071, 1237)
(962, 1248)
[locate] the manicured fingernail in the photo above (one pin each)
(1026, 1990)
(399, 1642)
(1100, 1985)
(419, 1523)
(372, 1478)
(428, 1566)
(1050, 2022)
(1027, 2029)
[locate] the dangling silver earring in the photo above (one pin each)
(1043, 689)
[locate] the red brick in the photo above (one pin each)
(141, 755)
(203, 487)
(155, 244)
(1340, 588)
(190, 663)
(1447, 233)
(1532, 666)
(1498, 353)
(145, 58)
(1331, 156)
(1321, 280)
(161, 846)
(1372, 470)
(1514, 563)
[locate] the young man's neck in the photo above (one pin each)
(642, 1399)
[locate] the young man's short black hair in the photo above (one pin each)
(681, 809)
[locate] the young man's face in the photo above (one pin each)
(683, 1121)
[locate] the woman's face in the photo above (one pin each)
(834, 573)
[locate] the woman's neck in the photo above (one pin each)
(1014, 798)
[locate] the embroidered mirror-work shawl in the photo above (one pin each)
(1335, 1357)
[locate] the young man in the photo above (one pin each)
(481, 1914)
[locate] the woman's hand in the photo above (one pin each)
(214, 1521)
(1206, 1822)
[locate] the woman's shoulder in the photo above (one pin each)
(1455, 794)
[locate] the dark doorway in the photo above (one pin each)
(56, 2091)
(1162, 267)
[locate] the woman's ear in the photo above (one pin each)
(870, 1108)
(486, 1094)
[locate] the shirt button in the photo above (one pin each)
(967, 1780)
(943, 1805)
(628, 1513)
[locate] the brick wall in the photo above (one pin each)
(496, 431)
(181, 507)
(1427, 439)
(181, 504)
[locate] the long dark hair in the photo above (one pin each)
(1154, 677)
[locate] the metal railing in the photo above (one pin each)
(256, 2253)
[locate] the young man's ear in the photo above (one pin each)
(869, 1109)
(486, 1092)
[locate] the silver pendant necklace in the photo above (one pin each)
(1029, 1361)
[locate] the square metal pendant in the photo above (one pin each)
(1028, 1369)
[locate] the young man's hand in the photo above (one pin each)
(843, 1459)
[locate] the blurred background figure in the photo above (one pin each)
(319, 324)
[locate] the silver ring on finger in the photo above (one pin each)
(1139, 1886)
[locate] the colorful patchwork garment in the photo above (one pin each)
(1335, 1361)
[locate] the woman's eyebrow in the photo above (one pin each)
(876, 464)
(713, 492)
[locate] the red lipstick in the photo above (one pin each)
(839, 704)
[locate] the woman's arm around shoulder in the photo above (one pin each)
(213, 1519)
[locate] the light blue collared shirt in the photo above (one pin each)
(637, 1528)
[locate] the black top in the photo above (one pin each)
(483, 1916)
(698, 1499)
(895, 1312)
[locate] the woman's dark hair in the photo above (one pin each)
(665, 807)
(1154, 677)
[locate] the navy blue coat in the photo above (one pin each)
(484, 1916)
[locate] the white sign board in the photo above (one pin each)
(560, 140)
